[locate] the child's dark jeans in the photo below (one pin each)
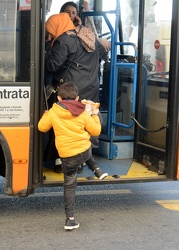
(70, 168)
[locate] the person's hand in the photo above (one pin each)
(50, 37)
(86, 5)
(105, 43)
(78, 20)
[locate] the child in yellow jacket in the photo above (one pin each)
(73, 126)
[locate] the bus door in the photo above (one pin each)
(154, 141)
(135, 84)
(118, 79)
(19, 94)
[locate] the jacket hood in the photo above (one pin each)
(76, 108)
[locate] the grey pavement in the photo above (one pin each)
(111, 217)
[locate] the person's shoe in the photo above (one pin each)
(100, 174)
(71, 224)
(58, 169)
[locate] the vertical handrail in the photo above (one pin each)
(114, 65)
(112, 117)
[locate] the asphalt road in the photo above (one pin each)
(138, 216)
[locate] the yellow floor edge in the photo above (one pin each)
(50, 175)
(136, 170)
(139, 170)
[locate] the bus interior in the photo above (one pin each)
(118, 85)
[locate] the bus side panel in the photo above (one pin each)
(18, 141)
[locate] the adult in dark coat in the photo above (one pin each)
(67, 49)
(74, 57)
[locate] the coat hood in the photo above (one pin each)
(58, 24)
(76, 108)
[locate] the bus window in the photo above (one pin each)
(14, 42)
(156, 45)
(157, 32)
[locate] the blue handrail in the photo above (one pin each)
(114, 67)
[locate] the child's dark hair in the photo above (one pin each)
(67, 91)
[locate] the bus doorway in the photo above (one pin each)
(133, 90)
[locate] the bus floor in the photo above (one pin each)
(117, 169)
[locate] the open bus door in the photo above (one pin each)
(157, 94)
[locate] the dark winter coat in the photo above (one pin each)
(84, 70)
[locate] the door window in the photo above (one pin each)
(15, 41)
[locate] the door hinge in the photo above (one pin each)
(161, 167)
(146, 161)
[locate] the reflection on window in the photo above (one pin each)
(15, 41)
(163, 12)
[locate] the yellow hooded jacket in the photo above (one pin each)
(72, 133)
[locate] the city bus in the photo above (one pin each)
(139, 89)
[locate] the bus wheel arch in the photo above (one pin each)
(6, 164)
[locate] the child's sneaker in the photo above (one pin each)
(71, 224)
(100, 174)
